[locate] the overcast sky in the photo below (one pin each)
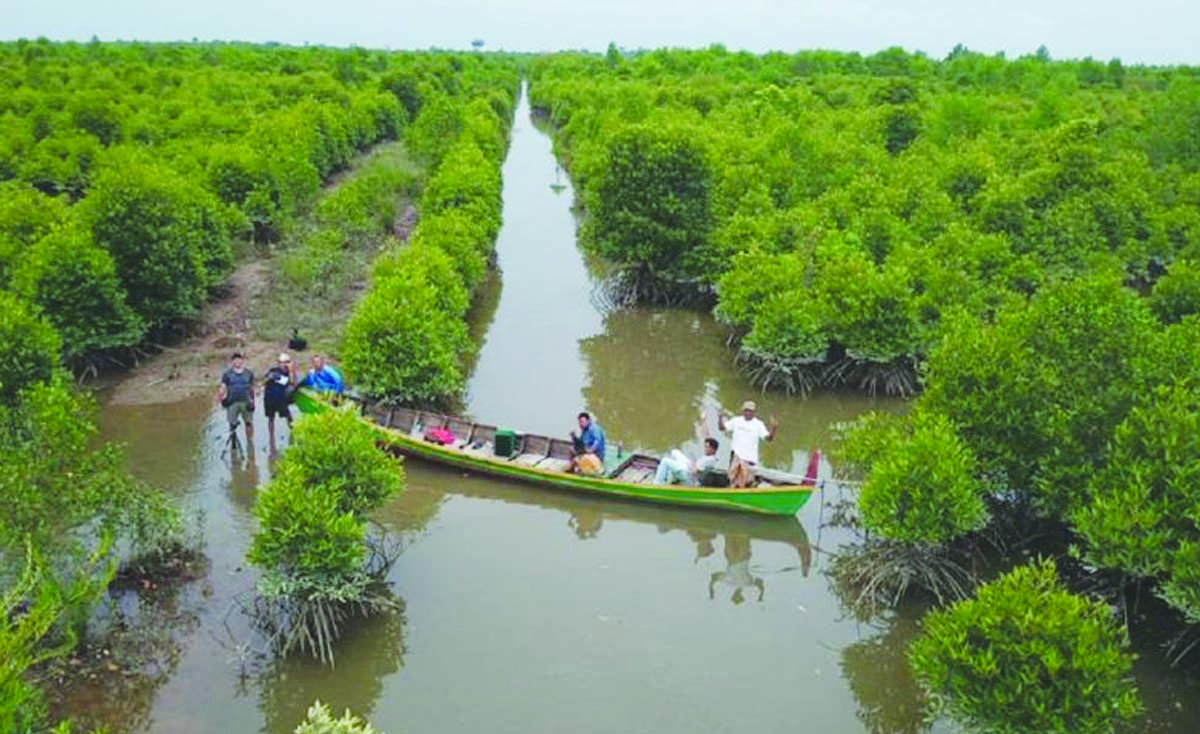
(1150, 31)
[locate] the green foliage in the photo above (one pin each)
(469, 182)
(653, 201)
(64, 504)
(36, 634)
(1142, 519)
(170, 153)
(304, 533)
(311, 515)
(29, 349)
(921, 487)
(900, 128)
(754, 277)
(407, 339)
(1027, 656)
(320, 720)
(1037, 394)
(320, 566)
(427, 264)
(364, 207)
(464, 238)
(401, 345)
(27, 215)
(1177, 294)
(336, 452)
(164, 233)
(434, 131)
(894, 158)
(54, 485)
(74, 283)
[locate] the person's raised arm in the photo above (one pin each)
(772, 426)
(721, 415)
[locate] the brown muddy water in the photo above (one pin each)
(527, 610)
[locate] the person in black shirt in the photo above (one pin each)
(278, 386)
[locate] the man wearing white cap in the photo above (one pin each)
(745, 431)
(278, 387)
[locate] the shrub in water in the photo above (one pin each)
(1038, 394)
(333, 450)
(653, 200)
(920, 495)
(921, 488)
(754, 277)
(1027, 656)
(320, 567)
(1142, 516)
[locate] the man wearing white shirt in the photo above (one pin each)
(745, 431)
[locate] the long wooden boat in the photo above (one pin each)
(543, 460)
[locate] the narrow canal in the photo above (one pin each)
(527, 610)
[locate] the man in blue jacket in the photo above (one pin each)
(324, 377)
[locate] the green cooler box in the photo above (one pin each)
(506, 443)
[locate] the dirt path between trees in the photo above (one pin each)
(228, 324)
(195, 365)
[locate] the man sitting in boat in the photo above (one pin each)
(745, 431)
(677, 468)
(323, 377)
(589, 447)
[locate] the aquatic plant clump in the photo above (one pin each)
(1025, 656)
(321, 566)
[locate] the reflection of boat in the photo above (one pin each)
(588, 515)
(542, 460)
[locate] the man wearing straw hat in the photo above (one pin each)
(745, 431)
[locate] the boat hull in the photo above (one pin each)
(786, 500)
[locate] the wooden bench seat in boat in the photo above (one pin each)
(403, 419)
(461, 428)
(637, 469)
(532, 450)
(558, 456)
(483, 441)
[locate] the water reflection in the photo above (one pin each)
(737, 575)
(586, 519)
(135, 643)
(369, 650)
(876, 668)
(651, 373)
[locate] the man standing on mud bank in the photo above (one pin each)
(745, 431)
(236, 395)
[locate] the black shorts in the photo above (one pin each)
(277, 409)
